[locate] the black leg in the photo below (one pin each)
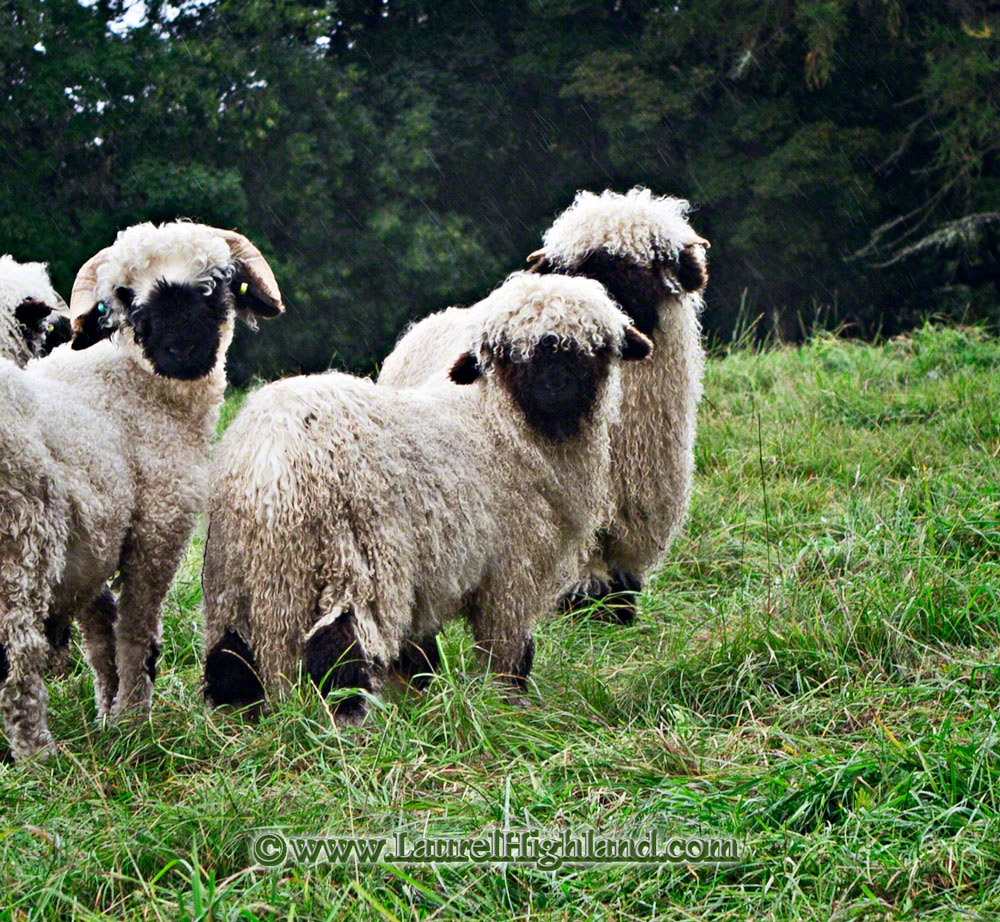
(523, 668)
(230, 674)
(617, 597)
(417, 660)
(335, 658)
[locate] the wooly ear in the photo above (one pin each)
(691, 268)
(466, 369)
(31, 313)
(253, 283)
(636, 346)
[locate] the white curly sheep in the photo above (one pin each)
(33, 317)
(643, 250)
(103, 455)
(348, 522)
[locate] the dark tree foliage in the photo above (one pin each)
(394, 156)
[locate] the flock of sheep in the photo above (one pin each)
(529, 452)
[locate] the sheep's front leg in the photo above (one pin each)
(504, 636)
(147, 567)
(97, 625)
(24, 654)
(339, 652)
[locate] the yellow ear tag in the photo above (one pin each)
(243, 288)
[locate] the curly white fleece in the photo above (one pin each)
(638, 226)
(412, 506)
(527, 308)
(102, 470)
(144, 254)
(20, 282)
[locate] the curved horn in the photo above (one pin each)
(264, 295)
(82, 300)
(536, 259)
(60, 307)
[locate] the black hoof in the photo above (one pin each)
(57, 634)
(617, 598)
(335, 658)
(230, 674)
(583, 595)
(417, 660)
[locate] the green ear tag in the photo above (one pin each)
(243, 288)
(102, 308)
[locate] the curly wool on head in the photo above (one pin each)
(28, 303)
(144, 254)
(637, 226)
(103, 457)
(348, 521)
(526, 308)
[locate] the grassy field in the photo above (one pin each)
(814, 673)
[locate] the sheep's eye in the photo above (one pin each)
(125, 295)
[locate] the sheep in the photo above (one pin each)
(32, 315)
(348, 522)
(643, 250)
(103, 457)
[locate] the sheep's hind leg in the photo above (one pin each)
(97, 626)
(231, 674)
(24, 653)
(417, 660)
(335, 656)
(617, 596)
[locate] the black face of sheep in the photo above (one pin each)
(639, 289)
(179, 325)
(557, 386)
(556, 389)
(41, 327)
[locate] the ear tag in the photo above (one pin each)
(102, 308)
(243, 288)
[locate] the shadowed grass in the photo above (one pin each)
(815, 676)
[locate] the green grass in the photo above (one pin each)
(814, 672)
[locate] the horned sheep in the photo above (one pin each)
(103, 454)
(644, 251)
(348, 522)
